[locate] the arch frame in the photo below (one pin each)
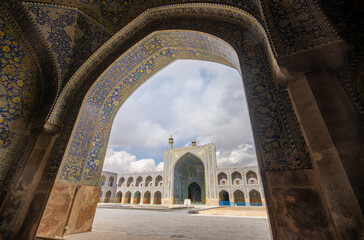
(174, 166)
(269, 68)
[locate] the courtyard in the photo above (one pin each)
(138, 224)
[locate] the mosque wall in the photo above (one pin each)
(241, 183)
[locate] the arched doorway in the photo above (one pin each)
(252, 65)
(107, 198)
(127, 197)
(224, 199)
(194, 193)
(119, 196)
(189, 179)
(255, 198)
(146, 198)
(137, 197)
(157, 197)
(239, 199)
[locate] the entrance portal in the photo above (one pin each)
(224, 199)
(189, 180)
(194, 193)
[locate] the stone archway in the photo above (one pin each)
(146, 197)
(194, 193)
(255, 198)
(239, 199)
(279, 142)
(189, 180)
(127, 198)
(224, 199)
(157, 198)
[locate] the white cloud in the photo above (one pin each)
(191, 100)
(243, 155)
(124, 162)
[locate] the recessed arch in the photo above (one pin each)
(224, 198)
(239, 198)
(189, 179)
(111, 181)
(251, 177)
(146, 197)
(139, 181)
(236, 178)
(129, 182)
(127, 198)
(158, 180)
(121, 181)
(119, 196)
(157, 198)
(222, 178)
(255, 198)
(137, 196)
(148, 181)
(107, 198)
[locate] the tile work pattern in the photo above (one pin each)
(18, 80)
(119, 81)
(71, 35)
(74, 30)
(280, 144)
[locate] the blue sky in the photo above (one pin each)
(190, 100)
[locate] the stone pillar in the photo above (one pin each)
(326, 194)
(18, 203)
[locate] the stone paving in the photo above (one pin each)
(133, 224)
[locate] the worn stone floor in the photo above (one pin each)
(132, 224)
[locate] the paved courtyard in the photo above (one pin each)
(129, 224)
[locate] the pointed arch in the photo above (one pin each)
(222, 178)
(130, 182)
(148, 181)
(146, 197)
(121, 181)
(224, 199)
(119, 196)
(239, 198)
(236, 178)
(255, 198)
(157, 199)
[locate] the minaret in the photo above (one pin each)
(170, 142)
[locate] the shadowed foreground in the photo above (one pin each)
(128, 224)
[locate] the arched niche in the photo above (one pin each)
(119, 196)
(189, 180)
(139, 181)
(137, 196)
(130, 181)
(121, 181)
(148, 181)
(111, 181)
(127, 198)
(224, 198)
(222, 178)
(146, 197)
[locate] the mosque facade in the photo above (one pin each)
(68, 66)
(189, 173)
